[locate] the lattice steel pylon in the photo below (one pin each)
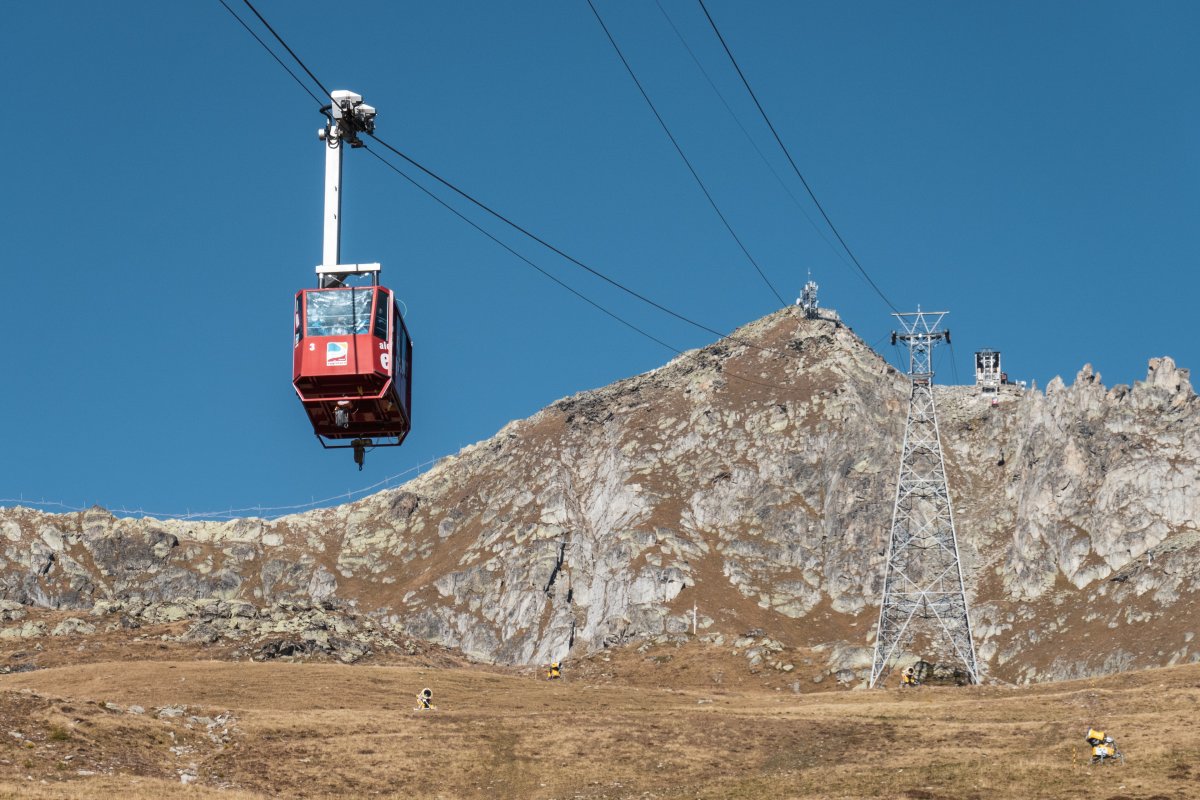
(923, 585)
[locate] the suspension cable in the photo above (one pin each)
(679, 149)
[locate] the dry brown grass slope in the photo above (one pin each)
(326, 730)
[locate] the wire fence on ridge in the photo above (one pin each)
(264, 512)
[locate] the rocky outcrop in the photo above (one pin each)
(749, 484)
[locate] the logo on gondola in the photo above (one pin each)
(335, 354)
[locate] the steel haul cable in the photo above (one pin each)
(679, 150)
(279, 39)
(464, 218)
(791, 161)
(529, 233)
(278, 60)
(567, 256)
(566, 286)
(521, 229)
(762, 156)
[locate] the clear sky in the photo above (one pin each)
(1030, 166)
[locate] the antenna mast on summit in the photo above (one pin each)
(923, 584)
(808, 298)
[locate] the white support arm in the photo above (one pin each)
(331, 254)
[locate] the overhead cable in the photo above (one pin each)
(480, 204)
(572, 259)
(762, 156)
(525, 231)
(472, 223)
(792, 161)
(271, 52)
(561, 283)
(679, 149)
(953, 361)
(279, 39)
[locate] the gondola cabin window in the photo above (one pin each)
(381, 316)
(339, 312)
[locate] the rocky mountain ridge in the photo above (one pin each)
(747, 486)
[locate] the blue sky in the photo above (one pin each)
(1032, 167)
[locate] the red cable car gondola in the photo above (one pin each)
(352, 365)
(351, 354)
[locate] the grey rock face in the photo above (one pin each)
(752, 480)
